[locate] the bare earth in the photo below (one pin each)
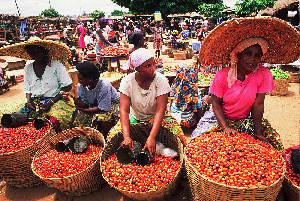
(282, 112)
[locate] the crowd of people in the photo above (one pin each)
(237, 92)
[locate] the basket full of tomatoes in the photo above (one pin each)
(156, 180)
(233, 167)
(18, 146)
(291, 183)
(73, 173)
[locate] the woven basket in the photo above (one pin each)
(291, 190)
(85, 182)
(281, 87)
(294, 77)
(15, 166)
(140, 133)
(202, 188)
(179, 55)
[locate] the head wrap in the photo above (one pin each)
(102, 20)
(232, 74)
(136, 58)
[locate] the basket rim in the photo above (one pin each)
(158, 189)
(236, 187)
(290, 182)
(79, 173)
(31, 145)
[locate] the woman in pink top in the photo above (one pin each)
(238, 92)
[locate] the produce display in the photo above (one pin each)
(171, 69)
(111, 76)
(140, 178)
(204, 79)
(15, 139)
(58, 165)
(239, 161)
(292, 176)
(113, 51)
(279, 74)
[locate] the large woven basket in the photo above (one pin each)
(291, 190)
(281, 87)
(202, 188)
(15, 166)
(140, 133)
(85, 182)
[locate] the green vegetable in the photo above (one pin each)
(279, 74)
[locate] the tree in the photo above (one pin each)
(117, 13)
(166, 7)
(97, 14)
(212, 10)
(50, 12)
(248, 7)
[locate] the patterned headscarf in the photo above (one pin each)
(102, 20)
(232, 74)
(136, 58)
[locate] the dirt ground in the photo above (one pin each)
(282, 112)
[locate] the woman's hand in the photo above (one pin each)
(47, 106)
(31, 105)
(128, 143)
(261, 137)
(229, 130)
(151, 145)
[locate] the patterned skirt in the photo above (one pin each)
(209, 122)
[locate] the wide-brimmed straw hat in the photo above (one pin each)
(57, 51)
(283, 40)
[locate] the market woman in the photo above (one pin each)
(238, 91)
(97, 100)
(143, 97)
(46, 78)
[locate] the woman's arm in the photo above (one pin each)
(124, 118)
(217, 108)
(160, 112)
(257, 115)
(99, 32)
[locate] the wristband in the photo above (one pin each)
(52, 101)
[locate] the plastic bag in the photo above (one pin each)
(163, 151)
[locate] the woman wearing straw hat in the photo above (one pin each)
(238, 92)
(45, 78)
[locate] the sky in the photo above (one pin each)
(65, 7)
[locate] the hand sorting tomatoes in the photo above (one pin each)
(58, 165)
(15, 139)
(140, 178)
(240, 161)
(113, 51)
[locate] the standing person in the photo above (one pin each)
(238, 92)
(138, 40)
(143, 96)
(97, 100)
(205, 30)
(158, 40)
(45, 79)
(82, 31)
(3, 82)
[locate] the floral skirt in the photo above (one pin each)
(168, 122)
(88, 119)
(209, 122)
(60, 113)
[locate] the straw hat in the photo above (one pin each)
(283, 40)
(57, 51)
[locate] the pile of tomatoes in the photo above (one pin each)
(15, 139)
(240, 160)
(58, 165)
(137, 178)
(113, 51)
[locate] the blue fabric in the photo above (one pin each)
(22, 27)
(102, 96)
(26, 110)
